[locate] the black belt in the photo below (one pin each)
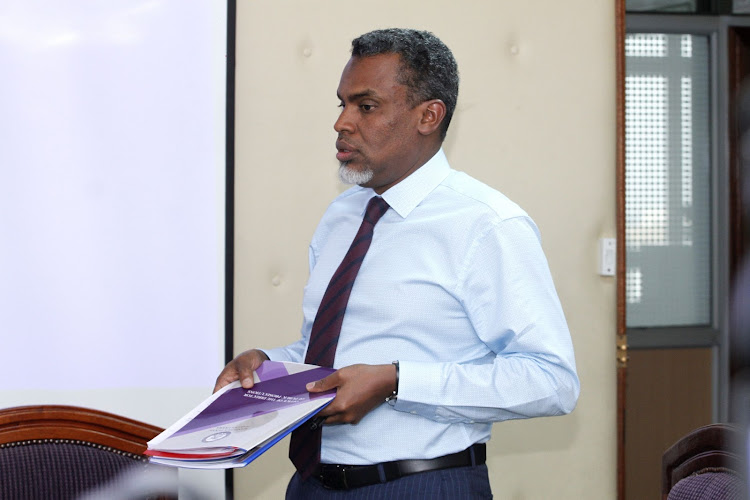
(344, 477)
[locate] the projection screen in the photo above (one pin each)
(112, 204)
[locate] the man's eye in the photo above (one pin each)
(366, 107)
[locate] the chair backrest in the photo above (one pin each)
(55, 451)
(706, 463)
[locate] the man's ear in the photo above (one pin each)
(433, 113)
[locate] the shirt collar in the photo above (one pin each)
(407, 194)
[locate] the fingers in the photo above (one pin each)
(241, 368)
(226, 377)
(331, 413)
(359, 389)
(245, 369)
(330, 382)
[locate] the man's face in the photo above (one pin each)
(377, 127)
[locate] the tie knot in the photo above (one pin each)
(376, 207)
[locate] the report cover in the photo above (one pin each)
(234, 426)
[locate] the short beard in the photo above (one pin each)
(348, 175)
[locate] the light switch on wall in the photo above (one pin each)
(607, 256)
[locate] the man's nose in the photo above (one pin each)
(344, 123)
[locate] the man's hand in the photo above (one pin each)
(360, 388)
(241, 368)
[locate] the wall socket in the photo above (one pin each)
(607, 256)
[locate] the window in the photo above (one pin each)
(667, 180)
(662, 5)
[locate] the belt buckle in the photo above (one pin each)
(333, 476)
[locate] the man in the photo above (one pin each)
(453, 317)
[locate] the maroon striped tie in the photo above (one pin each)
(304, 448)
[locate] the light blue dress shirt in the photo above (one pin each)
(455, 286)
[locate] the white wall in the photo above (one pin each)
(535, 119)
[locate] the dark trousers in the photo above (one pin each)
(446, 484)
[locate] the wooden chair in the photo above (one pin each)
(705, 464)
(61, 452)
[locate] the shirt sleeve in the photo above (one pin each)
(293, 352)
(508, 295)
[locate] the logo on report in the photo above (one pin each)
(215, 437)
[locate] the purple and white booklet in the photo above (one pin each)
(235, 425)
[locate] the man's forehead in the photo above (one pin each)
(370, 76)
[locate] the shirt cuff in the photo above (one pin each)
(417, 381)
